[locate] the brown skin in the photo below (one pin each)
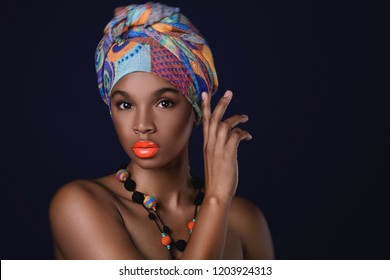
(96, 219)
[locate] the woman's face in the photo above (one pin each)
(145, 106)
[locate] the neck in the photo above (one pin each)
(170, 185)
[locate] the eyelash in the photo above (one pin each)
(119, 104)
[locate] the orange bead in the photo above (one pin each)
(166, 240)
(191, 225)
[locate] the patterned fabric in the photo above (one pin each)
(155, 38)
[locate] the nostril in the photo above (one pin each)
(143, 130)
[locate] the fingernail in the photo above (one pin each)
(227, 94)
(245, 116)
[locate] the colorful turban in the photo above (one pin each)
(155, 38)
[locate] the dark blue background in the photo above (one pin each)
(312, 76)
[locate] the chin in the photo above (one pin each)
(157, 162)
(148, 163)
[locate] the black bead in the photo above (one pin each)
(180, 245)
(130, 185)
(138, 197)
(152, 216)
(199, 198)
(197, 182)
(166, 229)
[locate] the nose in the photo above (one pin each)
(144, 123)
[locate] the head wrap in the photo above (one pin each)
(155, 38)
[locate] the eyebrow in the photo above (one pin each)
(156, 93)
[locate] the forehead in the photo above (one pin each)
(142, 81)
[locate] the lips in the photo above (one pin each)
(145, 149)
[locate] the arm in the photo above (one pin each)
(83, 226)
(208, 237)
(221, 140)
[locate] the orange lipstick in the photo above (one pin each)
(145, 149)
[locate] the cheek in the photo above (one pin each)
(177, 129)
(122, 130)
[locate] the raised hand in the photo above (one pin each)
(221, 140)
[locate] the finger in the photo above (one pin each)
(242, 134)
(223, 103)
(235, 120)
(225, 127)
(206, 114)
(218, 113)
(236, 136)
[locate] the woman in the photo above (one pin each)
(150, 63)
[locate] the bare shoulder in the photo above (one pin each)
(244, 205)
(244, 211)
(81, 217)
(251, 224)
(79, 195)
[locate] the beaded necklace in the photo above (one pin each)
(151, 206)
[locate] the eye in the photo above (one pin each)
(165, 104)
(124, 105)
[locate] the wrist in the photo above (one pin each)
(218, 200)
